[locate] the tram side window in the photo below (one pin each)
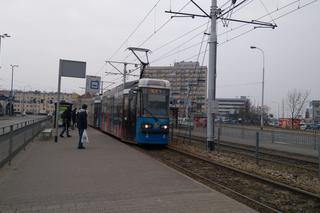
(133, 102)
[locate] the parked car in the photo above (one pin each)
(313, 126)
(303, 126)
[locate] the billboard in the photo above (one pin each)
(93, 84)
(76, 69)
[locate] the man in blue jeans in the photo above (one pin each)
(82, 124)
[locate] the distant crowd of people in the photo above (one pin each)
(74, 118)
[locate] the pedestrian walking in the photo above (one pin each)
(74, 117)
(66, 119)
(82, 124)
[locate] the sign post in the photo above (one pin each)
(67, 68)
(93, 84)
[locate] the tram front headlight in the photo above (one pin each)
(165, 126)
(146, 126)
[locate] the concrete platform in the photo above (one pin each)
(108, 176)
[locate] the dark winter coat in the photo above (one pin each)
(82, 119)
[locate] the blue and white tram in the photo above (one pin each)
(137, 112)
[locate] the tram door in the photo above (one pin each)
(131, 119)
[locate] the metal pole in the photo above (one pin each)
(257, 147)
(262, 102)
(11, 92)
(58, 103)
(124, 74)
(211, 76)
(3, 36)
(262, 95)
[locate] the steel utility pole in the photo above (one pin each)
(3, 36)
(216, 14)
(262, 89)
(11, 92)
(211, 77)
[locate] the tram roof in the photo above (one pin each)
(156, 83)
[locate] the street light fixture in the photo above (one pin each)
(3, 36)
(262, 96)
(11, 93)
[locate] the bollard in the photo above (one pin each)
(10, 144)
(257, 147)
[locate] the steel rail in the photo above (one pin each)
(255, 202)
(263, 179)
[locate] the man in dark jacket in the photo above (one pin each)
(74, 116)
(66, 119)
(82, 124)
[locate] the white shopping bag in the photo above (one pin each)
(84, 138)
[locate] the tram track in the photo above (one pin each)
(258, 192)
(300, 162)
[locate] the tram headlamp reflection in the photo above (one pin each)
(165, 127)
(146, 126)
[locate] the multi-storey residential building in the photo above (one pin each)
(188, 85)
(315, 110)
(37, 102)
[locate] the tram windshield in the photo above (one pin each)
(155, 102)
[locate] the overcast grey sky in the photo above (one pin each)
(44, 31)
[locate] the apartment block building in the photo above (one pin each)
(188, 85)
(36, 102)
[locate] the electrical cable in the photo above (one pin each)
(131, 34)
(177, 47)
(267, 11)
(178, 38)
(157, 30)
(159, 58)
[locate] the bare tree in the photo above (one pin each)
(296, 102)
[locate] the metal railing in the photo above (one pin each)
(302, 140)
(305, 143)
(15, 137)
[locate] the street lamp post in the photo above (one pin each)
(11, 93)
(262, 96)
(3, 36)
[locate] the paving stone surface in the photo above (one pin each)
(108, 176)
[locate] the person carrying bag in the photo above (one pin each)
(82, 126)
(84, 138)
